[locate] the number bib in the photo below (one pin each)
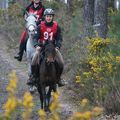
(48, 33)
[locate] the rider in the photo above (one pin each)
(37, 8)
(50, 30)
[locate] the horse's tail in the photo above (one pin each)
(36, 58)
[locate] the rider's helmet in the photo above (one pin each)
(49, 11)
(49, 16)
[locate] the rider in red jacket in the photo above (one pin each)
(37, 8)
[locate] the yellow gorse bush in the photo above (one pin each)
(11, 102)
(10, 106)
(11, 88)
(27, 103)
(55, 105)
(86, 114)
(28, 100)
(99, 69)
(82, 116)
(98, 44)
(118, 59)
(42, 114)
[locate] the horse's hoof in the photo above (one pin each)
(47, 110)
(32, 89)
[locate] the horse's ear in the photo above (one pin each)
(35, 16)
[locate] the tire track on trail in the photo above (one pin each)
(8, 63)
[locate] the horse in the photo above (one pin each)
(48, 75)
(30, 49)
(31, 25)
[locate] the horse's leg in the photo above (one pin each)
(41, 95)
(29, 62)
(49, 96)
(45, 99)
(54, 88)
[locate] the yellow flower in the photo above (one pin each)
(54, 106)
(13, 83)
(84, 102)
(78, 115)
(19, 102)
(87, 115)
(10, 106)
(78, 79)
(82, 116)
(56, 96)
(28, 100)
(42, 114)
(28, 104)
(118, 59)
(87, 74)
(97, 111)
(109, 65)
(55, 103)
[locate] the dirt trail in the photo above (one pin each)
(69, 105)
(8, 63)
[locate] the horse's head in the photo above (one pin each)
(31, 23)
(50, 51)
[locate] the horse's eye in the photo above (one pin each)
(31, 30)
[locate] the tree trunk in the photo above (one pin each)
(100, 17)
(70, 6)
(111, 3)
(88, 15)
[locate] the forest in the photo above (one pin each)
(90, 49)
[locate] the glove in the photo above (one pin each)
(38, 48)
(57, 48)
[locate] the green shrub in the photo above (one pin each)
(99, 71)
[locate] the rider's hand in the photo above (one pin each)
(57, 48)
(38, 48)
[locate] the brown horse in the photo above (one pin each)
(48, 74)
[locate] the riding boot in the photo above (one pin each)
(20, 53)
(22, 47)
(59, 69)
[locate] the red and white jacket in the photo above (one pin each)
(46, 32)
